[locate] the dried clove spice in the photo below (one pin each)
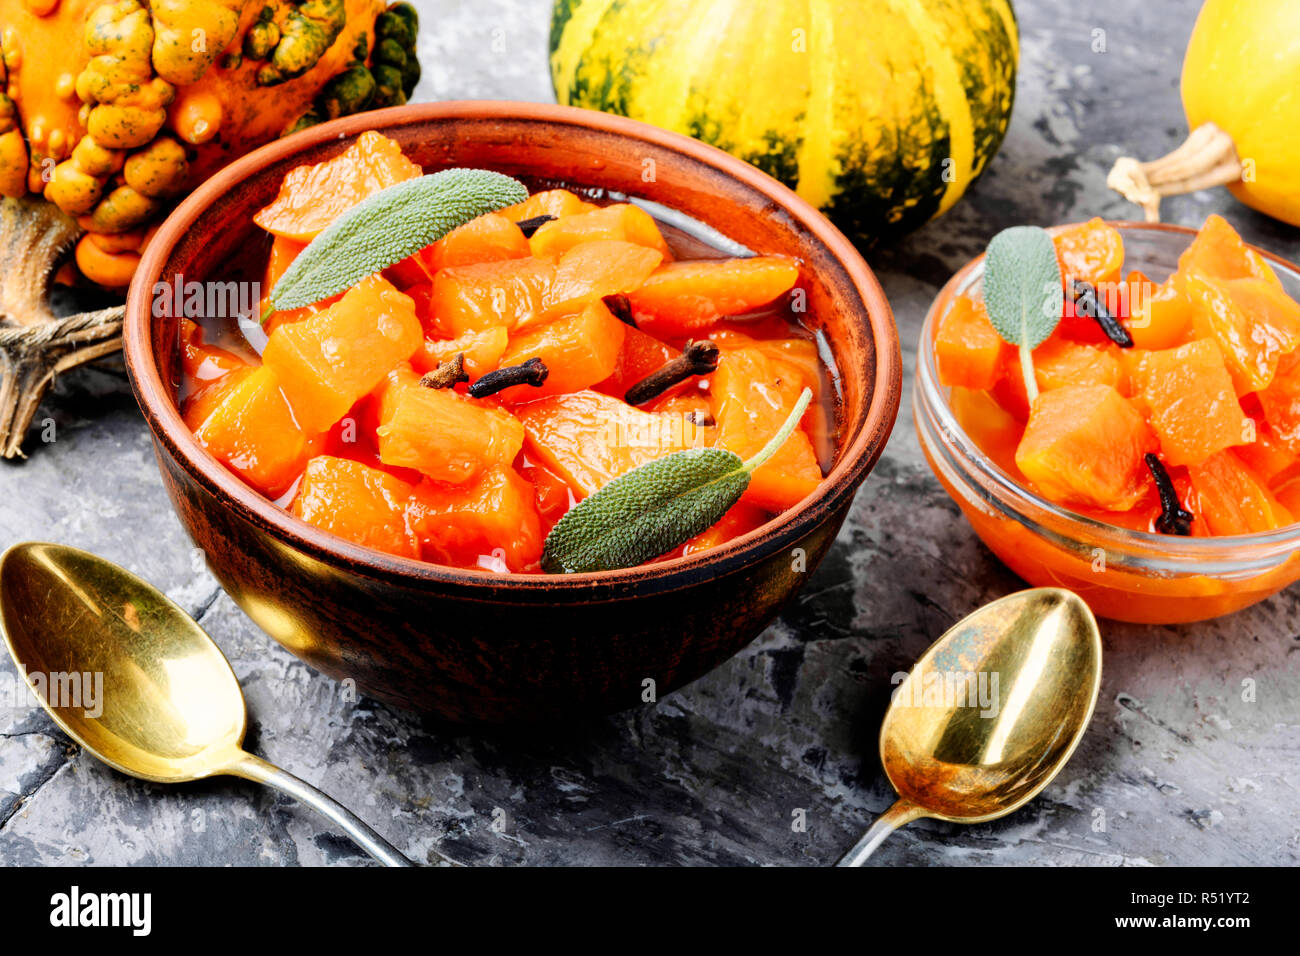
(1088, 303)
(697, 358)
(532, 224)
(447, 374)
(1174, 518)
(620, 306)
(533, 372)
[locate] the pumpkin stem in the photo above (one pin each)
(35, 345)
(1208, 157)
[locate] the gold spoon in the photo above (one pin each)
(990, 713)
(135, 681)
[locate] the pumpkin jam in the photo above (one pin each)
(1196, 388)
(453, 407)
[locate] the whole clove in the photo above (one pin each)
(447, 374)
(1174, 518)
(533, 372)
(697, 358)
(620, 306)
(1088, 303)
(532, 224)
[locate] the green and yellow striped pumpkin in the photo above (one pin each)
(879, 112)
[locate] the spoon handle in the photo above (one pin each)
(900, 813)
(255, 768)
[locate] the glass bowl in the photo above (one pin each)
(1123, 574)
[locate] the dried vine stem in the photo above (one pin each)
(1208, 157)
(35, 344)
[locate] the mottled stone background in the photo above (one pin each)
(1184, 770)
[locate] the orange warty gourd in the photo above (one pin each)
(111, 108)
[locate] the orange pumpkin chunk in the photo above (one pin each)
(1059, 362)
(249, 427)
(578, 352)
(551, 493)
(550, 202)
(1267, 456)
(1009, 390)
(327, 361)
(593, 270)
(622, 221)
(995, 431)
(1232, 499)
(312, 196)
(493, 515)
(640, 355)
(967, 347)
(482, 351)
(1218, 251)
(681, 298)
(1083, 445)
(357, 502)
(489, 238)
(588, 439)
(1090, 252)
(752, 395)
(474, 298)
(1189, 399)
(204, 364)
(740, 519)
(1254, 322)
(201, 402)
(283, 252)
(441, 433)
(1281, 402)
(1159, 317)
(1288, 493)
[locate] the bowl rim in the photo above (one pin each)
(156, 400)
(1168, 548)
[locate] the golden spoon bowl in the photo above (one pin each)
(134, 680)
(990, 713)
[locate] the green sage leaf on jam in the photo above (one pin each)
(1023, 292)
(656, 507)
(388, 226)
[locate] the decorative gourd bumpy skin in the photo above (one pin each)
(879, 113)
(112, 108)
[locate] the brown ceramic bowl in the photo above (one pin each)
(478, 647)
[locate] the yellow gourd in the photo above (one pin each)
(1241, 94)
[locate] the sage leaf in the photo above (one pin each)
(388, 226)
(1023, 292)
(653, 508)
